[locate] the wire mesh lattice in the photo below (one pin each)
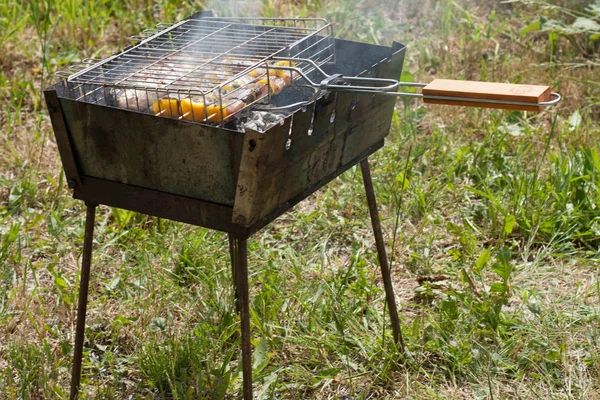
(218, 62)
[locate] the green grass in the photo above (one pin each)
(502, 206)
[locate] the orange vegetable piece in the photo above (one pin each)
(193, 110)
(166, 107)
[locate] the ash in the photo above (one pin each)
(261, 121)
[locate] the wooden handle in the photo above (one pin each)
(489, 91)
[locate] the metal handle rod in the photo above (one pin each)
(391, 86)
(556, 98)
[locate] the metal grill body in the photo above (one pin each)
(212, 175)
(252, 177)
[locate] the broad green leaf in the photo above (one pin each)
(498, 287)
(504, 255)
(509, 224)
(532, 27)
(260, 356)
(402, 180)
(484, 257)
(124, 320)
(503, 270)
(60, 283)
(122, 217)
(455, 254)
(409, 78)
(574, 121)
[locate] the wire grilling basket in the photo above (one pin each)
(208, 69)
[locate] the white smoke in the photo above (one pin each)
(235, 8)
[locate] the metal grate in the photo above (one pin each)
(212, 61)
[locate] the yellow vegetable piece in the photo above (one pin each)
(274, 86)
(227, 88)
(214, 112)
(193, 110)
(166, 108)
(281, 73)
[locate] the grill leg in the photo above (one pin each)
(233, 248)
(240, 267)
(83, 296)
(381, 253)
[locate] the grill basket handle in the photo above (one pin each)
(489, 95)
(440, 91)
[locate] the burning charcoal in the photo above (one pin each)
(262, 121)
(269, 117)
(261, 125)
(250, 125)
(273, 118)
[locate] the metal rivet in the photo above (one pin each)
(71, 183)
(240, 220)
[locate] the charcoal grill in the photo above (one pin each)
(126, 140)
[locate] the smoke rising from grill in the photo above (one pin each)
(250, 8)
